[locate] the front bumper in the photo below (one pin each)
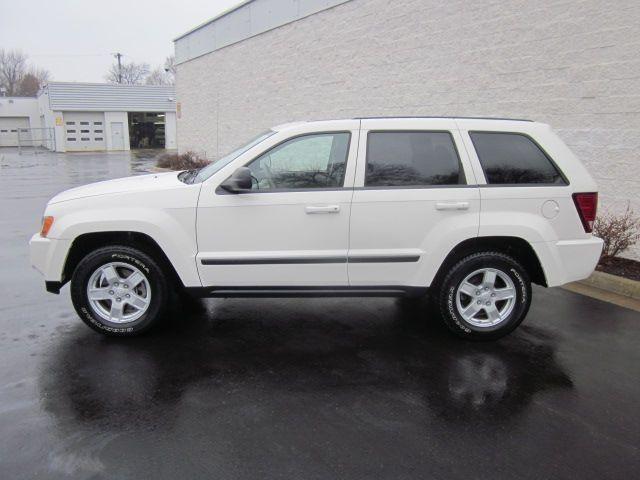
(48, 256)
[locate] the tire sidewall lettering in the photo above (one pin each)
(132, 260)
(521, 282)
(453, 311)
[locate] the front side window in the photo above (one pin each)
(310, 161)
(412, 159)
(513, 158)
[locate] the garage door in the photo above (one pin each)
(84, 131)
(9, 127)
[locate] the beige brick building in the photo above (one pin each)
(572, 64)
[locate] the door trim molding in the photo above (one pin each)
(271, 261)
(310, 260)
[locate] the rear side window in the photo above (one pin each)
(513, 158)
(398, 159)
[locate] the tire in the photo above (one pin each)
(473, 308)
(117, 308)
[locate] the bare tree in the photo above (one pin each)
(164, 75)
(29, 86)
(13, 66)
(158, 77)
(131, 73)
(32, 81)
(619, 232)
(170, 67)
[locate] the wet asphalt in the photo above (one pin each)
(300, 388)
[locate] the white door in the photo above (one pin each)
(84, 131)
(292, 227)
(415, 198)
(117, 136)
(9, 127)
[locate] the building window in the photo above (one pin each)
(514, 158)
(99, 139)
(71, 131)
(97, 131)
(71, 139)
(84, 123)
(85, 139)
(71, 123)
(84, 131)
(412, 159)
(97, 123)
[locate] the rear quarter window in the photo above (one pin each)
(514, 159)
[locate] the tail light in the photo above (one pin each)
(587, 205)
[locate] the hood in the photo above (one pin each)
(152, 181)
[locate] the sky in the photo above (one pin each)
(75, 39)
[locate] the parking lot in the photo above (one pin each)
(299, 388)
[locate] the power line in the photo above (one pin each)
(71, 55)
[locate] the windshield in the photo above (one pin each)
(213, 167)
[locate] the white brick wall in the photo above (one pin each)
(573, 64)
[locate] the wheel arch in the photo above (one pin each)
(515, 247)
(88, 242)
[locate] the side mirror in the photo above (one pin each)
(238, 182)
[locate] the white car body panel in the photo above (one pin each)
(266, 239)
(399, 222)
(275, 225)
(158, 205)
(516, 211)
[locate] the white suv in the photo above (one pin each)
(471, 210)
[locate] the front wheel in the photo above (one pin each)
(485, 296)
(119, 291)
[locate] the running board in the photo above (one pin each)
(287, 292)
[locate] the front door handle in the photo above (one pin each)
(452, 205)
(312, 209)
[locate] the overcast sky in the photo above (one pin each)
(75, 39)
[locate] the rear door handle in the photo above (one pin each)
(452, 205)
(312, 209)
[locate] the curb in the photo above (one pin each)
(614, 284)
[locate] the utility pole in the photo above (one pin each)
(119, 56)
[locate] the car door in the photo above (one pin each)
(415, 199)
(291, 228)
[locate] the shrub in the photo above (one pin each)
(619, 232)
(186, 161)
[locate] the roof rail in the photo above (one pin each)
(451, 118)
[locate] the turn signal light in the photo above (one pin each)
(46, 226)
(587, 205)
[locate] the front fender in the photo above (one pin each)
(172, 229)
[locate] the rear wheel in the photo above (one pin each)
(119, 291)
(485, 296)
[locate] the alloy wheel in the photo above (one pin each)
(119, 292)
